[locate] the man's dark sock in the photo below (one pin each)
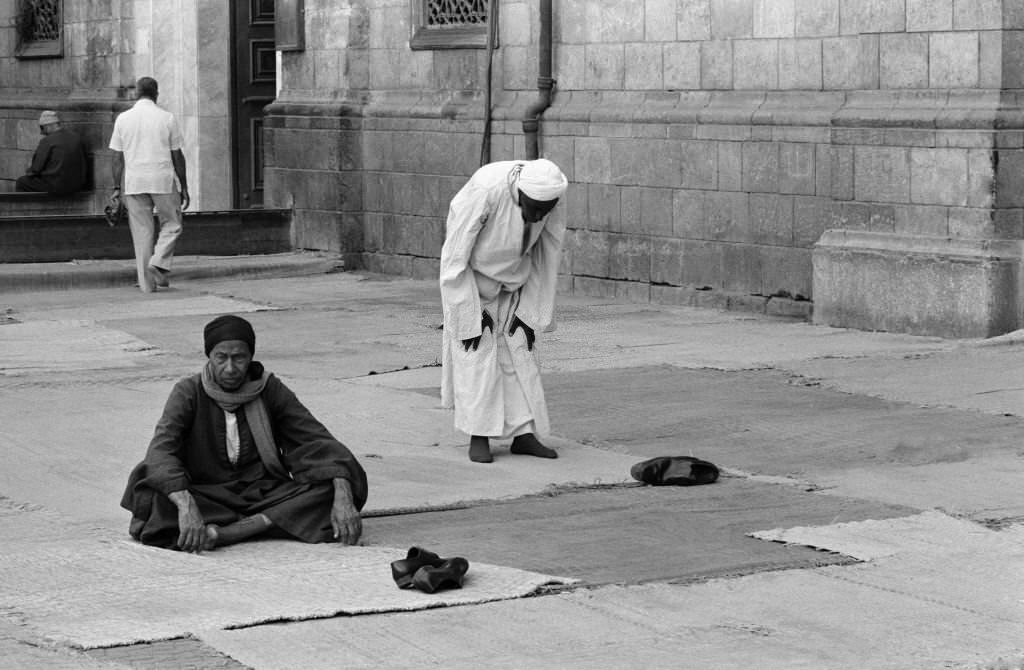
(480, 449)
(528, 444)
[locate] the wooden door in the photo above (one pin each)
(254, 85)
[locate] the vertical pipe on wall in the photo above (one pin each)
(492, 23)
(531, 122)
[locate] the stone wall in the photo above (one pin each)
(709, 143)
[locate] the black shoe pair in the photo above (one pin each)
(429, 572)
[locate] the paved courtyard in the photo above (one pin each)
(834, 444)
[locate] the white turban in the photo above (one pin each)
(541, 180)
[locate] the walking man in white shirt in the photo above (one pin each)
(147, 155)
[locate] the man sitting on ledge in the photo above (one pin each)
(236, 455)
(59, 165)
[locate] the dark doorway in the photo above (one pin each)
(254, 85)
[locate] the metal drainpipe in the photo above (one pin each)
(531, 122)
(492, 25)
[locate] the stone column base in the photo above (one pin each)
(945, 287)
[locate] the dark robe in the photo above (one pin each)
(58, 166)
(188, 452)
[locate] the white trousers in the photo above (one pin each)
(140, 220)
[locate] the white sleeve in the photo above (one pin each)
(469, 211)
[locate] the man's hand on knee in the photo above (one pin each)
(345, 518)
(191, 528)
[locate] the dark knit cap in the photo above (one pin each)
(229, 327)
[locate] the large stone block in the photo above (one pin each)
(841, 171)
(703, 267)
(929, 220)
(593, 161)
(953, 60)
(938, 176)
(589, 252)
(774, 18)
(742, 268)
(643, 67)
(730, 166)
(731, 19)
(990, 59)
(850, 62)
(761, 167)
(727, 216)
(1010, 178)
(786, 272)
(621, 22)
(629, 257)
(881, 174)
(977, 14)
(800, 64)
(667, 261)
(1013, 58)
(603, 207)
(903, 60)
(698, 164)
(688, 219)
(771, 218)
(941, 287)
(971, 222)
(656, 211)
(811, 217)
(716, 64)
(693, 20)
(858, 17)
(817, 18)
(660, 20)
(981, 179)
(796, 168)
(929, 15)
(682, 66)
(605, 66)
(646, 162)
(756, 64)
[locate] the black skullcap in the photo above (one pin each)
(229, 327)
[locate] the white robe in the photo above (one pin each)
(495, 390)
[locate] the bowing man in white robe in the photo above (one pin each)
(499, 267)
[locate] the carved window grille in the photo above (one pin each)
(449, 24)
(40, 28)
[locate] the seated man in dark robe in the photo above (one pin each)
(236, 455)
(59, 165)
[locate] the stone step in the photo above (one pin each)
(56, 238)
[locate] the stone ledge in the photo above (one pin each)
(938, 286)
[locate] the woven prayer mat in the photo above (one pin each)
(86, 587)
(936, 592)
(786, 620)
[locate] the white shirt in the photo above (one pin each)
(147, 134)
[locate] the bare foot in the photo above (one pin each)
(212, 537)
